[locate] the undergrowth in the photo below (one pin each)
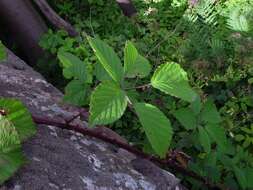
(211, 40)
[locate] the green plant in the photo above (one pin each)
(200, 118)
(16, 126)
(210, 41)
(2, 52)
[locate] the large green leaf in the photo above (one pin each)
(156, 126)
(204, 139)
(19, 116)
(172, 79)
(75, 93)
(186, 117)
(209, 113)
(108, 58)
(73, 67)
(108, 103)
(135, 64)
(3, 54)
(15, 126)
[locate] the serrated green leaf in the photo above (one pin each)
(186, 117)
(3, 54)
(135, 65)
(130, 56)
(75, 93)
(73, 67)
(108, 103)
(108, 58)
(204, 139)
(210, 113)
(156, 126)
(8, 135)
(11, 156)
(172, 79)
(19, 116)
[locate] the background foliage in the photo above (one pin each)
(211, 40)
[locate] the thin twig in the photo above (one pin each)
(89, 132)
(139, 87)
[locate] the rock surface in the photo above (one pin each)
(60, 159)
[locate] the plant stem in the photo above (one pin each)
(139, 87)
(171, 163)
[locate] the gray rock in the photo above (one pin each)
(60, 159)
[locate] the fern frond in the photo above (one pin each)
(239, 19)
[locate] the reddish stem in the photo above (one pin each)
(89, 132)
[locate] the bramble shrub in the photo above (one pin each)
(216, 157)
(211, 40)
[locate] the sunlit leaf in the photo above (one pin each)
(108, 103)
(172, 79)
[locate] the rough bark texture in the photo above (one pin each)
(60, 159)
(24, 26)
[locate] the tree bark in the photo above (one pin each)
(24, 25)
